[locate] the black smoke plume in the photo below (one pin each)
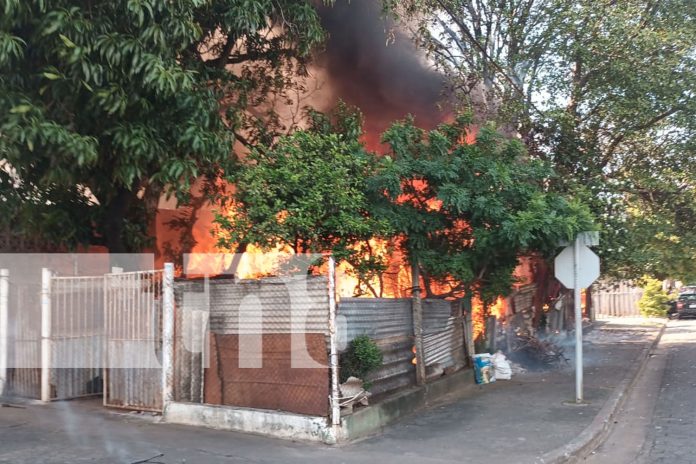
(374, 65)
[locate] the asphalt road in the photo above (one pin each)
(657, 423)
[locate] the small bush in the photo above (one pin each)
(362, 357)
(654, 301)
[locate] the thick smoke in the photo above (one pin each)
(375, 66)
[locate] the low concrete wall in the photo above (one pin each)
(369, 420)
(363, 422)
(271, 423)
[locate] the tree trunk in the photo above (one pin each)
(113, 228)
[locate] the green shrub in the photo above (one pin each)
(362, 357)
(654, 300)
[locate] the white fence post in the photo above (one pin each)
(46, 276)
(168, 335)
(335, 406)
(4, 328)
(106, 360)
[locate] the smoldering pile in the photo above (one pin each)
(536, 354)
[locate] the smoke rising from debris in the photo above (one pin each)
(374, 65)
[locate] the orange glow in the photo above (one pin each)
(497, 309)
(394, 282)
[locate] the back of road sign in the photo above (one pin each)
(588, 266)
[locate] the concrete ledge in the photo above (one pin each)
(597, 431)
(369, 420)
(258, 421)
(363, 422)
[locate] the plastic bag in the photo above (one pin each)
(501, 366)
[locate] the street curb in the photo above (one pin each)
(600, 426)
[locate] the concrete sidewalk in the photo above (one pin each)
(519, 421)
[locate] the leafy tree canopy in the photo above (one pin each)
(465, 212)
(468, 211)
(307, 191)
(603, 90)
(109, 103)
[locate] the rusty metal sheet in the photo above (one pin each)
(276, 385)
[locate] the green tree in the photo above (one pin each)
(467, 212)
(308, 191)
(600, 89)
(108, 104)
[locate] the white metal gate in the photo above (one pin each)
(72, 337)
(73, 328)
(20, 338)
(133, 328)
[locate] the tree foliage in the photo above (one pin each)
(308, 191)
(655, 301)
(467, 212)
(110, 103)
(464, 212)
(602, 90)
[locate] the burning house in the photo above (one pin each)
(227, 343)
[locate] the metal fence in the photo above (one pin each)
(77, 336)
(20, 338)
(73, 310)
(618, 299)
(133, 325)
(389, 322)
(237, 324)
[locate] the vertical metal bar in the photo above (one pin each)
(578, 322)
(46, 334)
(4, 327)
(417, 307)
(333, 350)
(168, 335)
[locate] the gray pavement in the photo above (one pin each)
(672, 435)
(656, 423)
(507, 422)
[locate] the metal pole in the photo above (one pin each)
(333, 351)
(417, 308)
(109, 312)
(578, 322)
(46, 276)
(4, 328)
(168, 335)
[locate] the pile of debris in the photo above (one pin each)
(533, 353)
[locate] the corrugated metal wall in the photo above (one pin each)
(390, 323)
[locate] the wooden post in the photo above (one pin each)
(417, 309)
(333, 345)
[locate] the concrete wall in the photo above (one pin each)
(363, 422)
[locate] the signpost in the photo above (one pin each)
(577, 267)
